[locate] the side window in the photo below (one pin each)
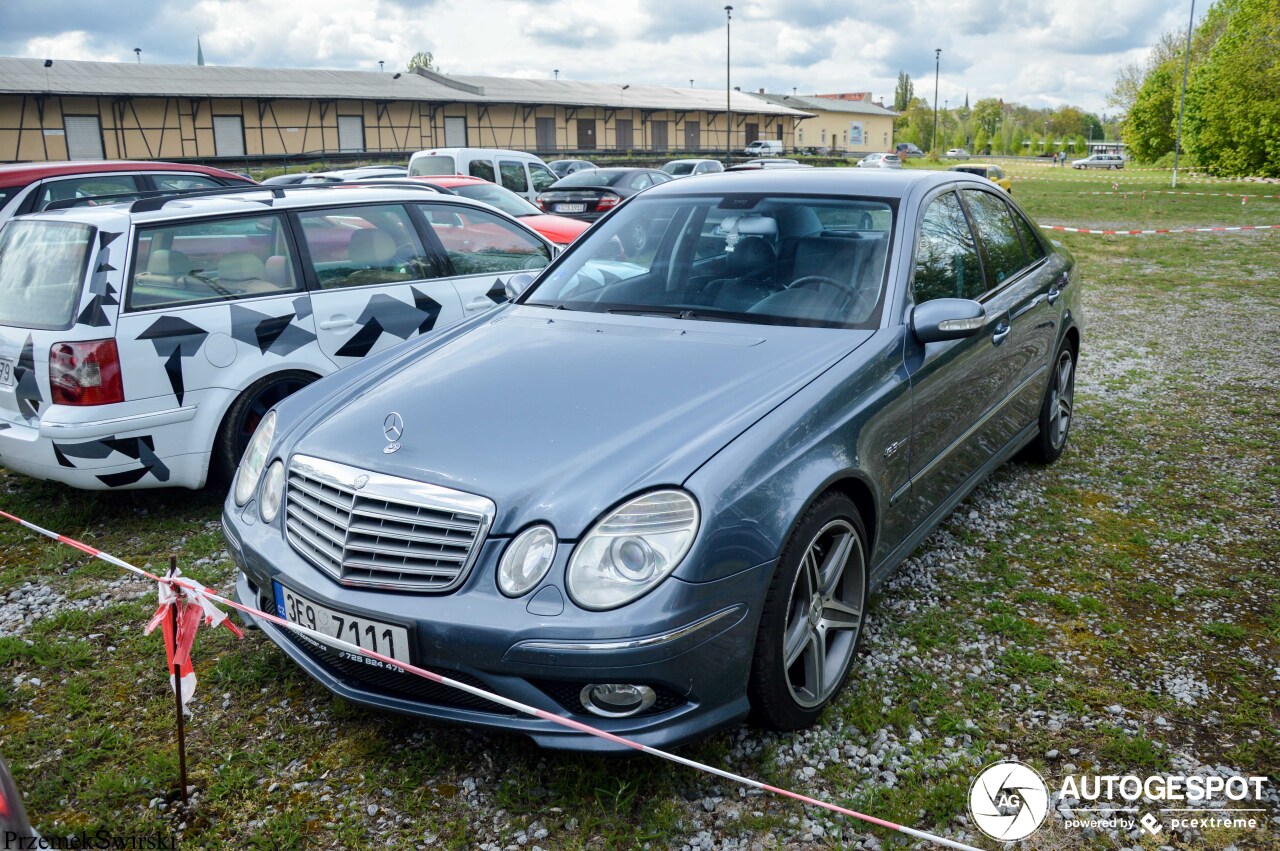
(211, 261)
(170, 182)
(641, 181)
(542, 176)
(1031, 240)
(946, 258)
(995, 227)
(86, 187)
(480, 242)
(482, 169)
(513, 176)
(359, 246)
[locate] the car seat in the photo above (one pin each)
(750, 268)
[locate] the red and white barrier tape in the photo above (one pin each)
(1120, 232)
(1171, 192)
(188, 586)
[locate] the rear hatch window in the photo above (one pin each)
(42, 265)
(433, 165)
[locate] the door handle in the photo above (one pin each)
(1053, 295)
(334, 323)
(480, 302)
(1001, 334)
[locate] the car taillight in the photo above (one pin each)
(85, 373)
(542, 205)
(608, 202)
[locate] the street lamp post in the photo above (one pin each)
(728, 108)
(937, 65)
(1182, 99)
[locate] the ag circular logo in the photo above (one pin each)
(1008, 800)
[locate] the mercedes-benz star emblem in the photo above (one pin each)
(392, 429)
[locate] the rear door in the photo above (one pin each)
(483, 249)
(373, 283)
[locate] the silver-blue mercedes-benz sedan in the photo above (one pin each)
(655, 490)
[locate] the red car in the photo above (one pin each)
(558, 229)
(30, 187)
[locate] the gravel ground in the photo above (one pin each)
(1077, 678)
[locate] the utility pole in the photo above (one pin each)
(728, 108)
(1182, 100)
(937, 65)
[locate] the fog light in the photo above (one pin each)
(616, 700)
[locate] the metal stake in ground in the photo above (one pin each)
(177, 688)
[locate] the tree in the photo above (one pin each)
(904, 93)
(1149, 128)
(422, 59)
(988, 112)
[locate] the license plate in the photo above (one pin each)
(6, 373)
(385, 638)
(571, 208)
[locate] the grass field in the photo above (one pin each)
(1117, 612)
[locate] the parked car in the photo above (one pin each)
(724, 448)
(30, 187)
(1099, 161)
(564, 168)
(688, 168)
(908, 149)
(140, 344)
(757, 164)
(994, 173)
(878, 160)
(560, 230)
(354, 174)
(588, 195)
(763, 148)
(288, 179)
(956, 154)
(522, 173)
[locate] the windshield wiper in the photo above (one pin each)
(560, 306)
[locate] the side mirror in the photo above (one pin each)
(947, 319)
(517, 284)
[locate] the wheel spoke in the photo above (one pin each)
(837, 614)
(812, 579)
(796, 641)
(833, 566)
(815, 666)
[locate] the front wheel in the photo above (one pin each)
(812, 616)
(1056, 411)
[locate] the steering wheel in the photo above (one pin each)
(845, 287)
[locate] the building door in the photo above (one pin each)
(546, 134)
(350, 133)
(625, 133)
(84, 137)
(228, 135)
(658, 130)
(692, 136)
(586, 134)
(753, 132)
(455, 132)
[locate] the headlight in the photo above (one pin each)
(272, 492)
(255, 458)
(527, 560)
(632, 549)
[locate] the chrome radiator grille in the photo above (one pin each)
(369, 529)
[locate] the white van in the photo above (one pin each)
(763, 148)
(524, 174)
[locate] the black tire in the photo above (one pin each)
(243, 417)
(821, 639)
(1056, 411)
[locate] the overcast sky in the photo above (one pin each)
(1040, 54)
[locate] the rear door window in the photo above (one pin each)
(995, 227)
(211, 260)
(42, 265)
(359, 246)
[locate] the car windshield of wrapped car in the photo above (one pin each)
(767, 259)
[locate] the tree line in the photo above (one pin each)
(1231, 122)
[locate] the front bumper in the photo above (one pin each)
(692, 643)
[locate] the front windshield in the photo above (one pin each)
(678, 169)
(495, 196)
(770, 259)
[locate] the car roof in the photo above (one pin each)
(884, 183)
(250, 200)
(20, 174)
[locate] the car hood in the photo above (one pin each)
(556, 416)
(558, 229)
